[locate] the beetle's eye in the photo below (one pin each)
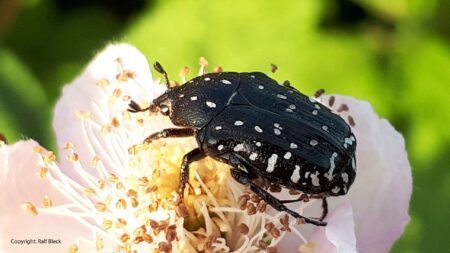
(164, 109)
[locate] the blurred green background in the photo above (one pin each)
(394, 54)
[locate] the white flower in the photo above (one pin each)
(112, 195)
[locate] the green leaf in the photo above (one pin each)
(24, 111)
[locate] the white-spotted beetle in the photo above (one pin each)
(262, 130)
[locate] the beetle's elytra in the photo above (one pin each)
(262, 130)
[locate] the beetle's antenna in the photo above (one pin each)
(161, 70)
(135, 107)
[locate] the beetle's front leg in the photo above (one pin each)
(192, 156)
(245, 179)
(170, 133)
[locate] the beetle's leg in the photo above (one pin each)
(244, 178)
(192, 156)
(324, 205)
(170, 133)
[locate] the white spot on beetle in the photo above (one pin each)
(218, 127)
(315, 179)
(252, 76)
(225, 81)
(277, 131)
(277, 125)
(307, 174)
(353, 164)
(207, 79)
(314, 112)
(239, 147)
(181, 96)
(211, 104)
(271, 163)
(325, 128)
(253, 156)
(317, 106)
(220, 147)
(261, 87)
(281, 96)
(344, 177)
(258, 144)
(238, 123)
(288, 155)
(335, 190)
(329, 174)
(258, 129)
(312, 100)
(296, 174)
(194, 98)
(292, 107)
(289, 110)
(313, 143)
(293, 145)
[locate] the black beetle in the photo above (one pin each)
(263, 130)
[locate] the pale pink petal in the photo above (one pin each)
(381, 192)
(20, 183)
(92, 110)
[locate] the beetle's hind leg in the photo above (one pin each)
(305, 198)
(245, 179)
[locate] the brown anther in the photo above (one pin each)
(300, 221)
(121, 223)
(100, 206)
(121, 204)
(106, 129)
(83, 115)
(107, 224)
(304, 197)
(269, 226)
(124, 238)
(119, 61)
(50, 157)
(108, 200)
(138, 231)
(115, 122)
(73, 249)
(113, 178)
(286, 83)
(102, 83)
(120, 186)
(351, 121)
(117, 93)
(154, 224)
(147, 238)
(163, 224)
(125, 75)
(101, 183)
(171, 235)
(275, 188)
(153, 207)
(263, 244)
(38, 150)
(99, 244)
(165, 247)
(42, 172)
(203, 62)
(262, 206)
(30, 208)
(132, 193)
(151, 188)
(251, 209)
(73, 157)
(294, 192)
(319, 93)
(342, 108)
(331, 101)
(243, 229)
(47, 202)
(138, 239)
(242, 201)
(284, 220)
(143, 181)
(185, 71)
(182, 211)
(255, 198)
(275, 233)
(273, 68)
(68, 145)
(134, 202)
(271, 250)
(218, 69)
(94, 161)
